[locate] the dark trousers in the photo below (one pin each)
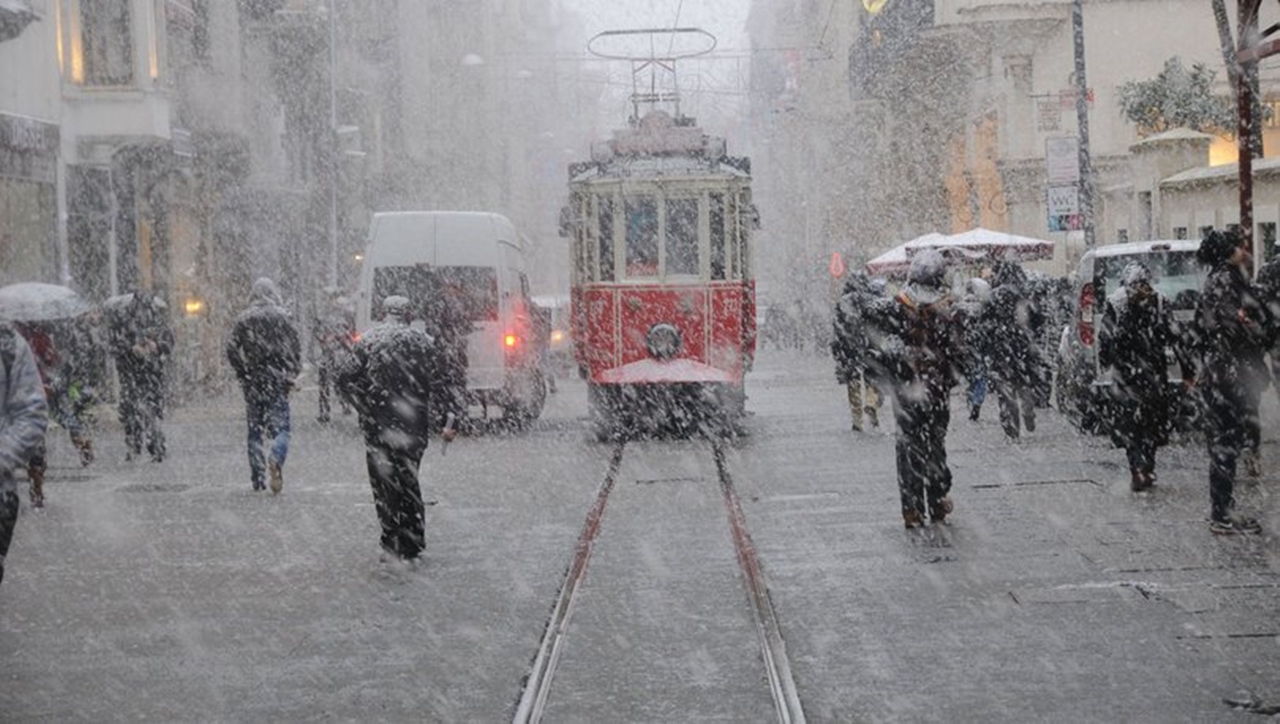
(8, 518)
(921, 447)
(393, 473)
(141, 407)
(1226, 430)
(268, 415)
(1017, 407)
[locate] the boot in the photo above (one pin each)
(36, 477)
(85, 446)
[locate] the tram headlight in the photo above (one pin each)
(663, 341)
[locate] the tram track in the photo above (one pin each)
(772, 648)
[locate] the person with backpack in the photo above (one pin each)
(394, 377)
(265, 352)
(918, 345)
(1011, 324)
(23, 418)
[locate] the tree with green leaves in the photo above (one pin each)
(1177, 98)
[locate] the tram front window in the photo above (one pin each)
(682, 236)
(642, 237)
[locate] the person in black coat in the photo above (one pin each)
(1012, 322)
(394, 377)
(141, 342)
(917, 345)
(1137, 334)
(849, 345)
(1231, 330)
(266, 355)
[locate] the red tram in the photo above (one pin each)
(663, 291)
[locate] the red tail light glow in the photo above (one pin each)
(509, 341)
(1085, 323)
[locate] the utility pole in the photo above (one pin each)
(1082, 122)
(334, 151)
(1248, 55)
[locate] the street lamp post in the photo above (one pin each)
(1082, 120)
(333, 145)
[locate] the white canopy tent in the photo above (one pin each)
(975, 246)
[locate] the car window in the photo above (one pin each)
(472, 289)
(1175, 274)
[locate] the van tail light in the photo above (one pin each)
(1085, 323)
(510, 341)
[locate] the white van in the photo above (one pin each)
(479, 259)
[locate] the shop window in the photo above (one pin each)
(642, 236)
(682, 236)
(106, 42)
(1267, 235)
(1204, 231)
(1122, 235)
(1179, 232)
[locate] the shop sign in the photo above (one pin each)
(28, 148)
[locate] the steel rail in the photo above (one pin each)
(786, 699)
(533, 699)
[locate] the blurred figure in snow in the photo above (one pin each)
(1231, 327)
(141, 342)
(1136, 337)
(22, 424)
(1010, 324)
(394, 376)
(849, 348)
(265, 353)
(919, 344)
(334, 332)
(969, 314)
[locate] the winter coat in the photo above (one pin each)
(1009, 324)
(851, 340)
(264, 349)
(392, 377)
(23, 414)
(1135, 338)
(919, 345)
(140, 338)
(1231, 330)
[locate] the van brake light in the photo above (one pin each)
(509, 341)
(1085, 327)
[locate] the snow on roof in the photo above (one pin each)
(1225, 172)
(1173, 134)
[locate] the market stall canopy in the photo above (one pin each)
(894, 262)
(38, 302)
(984, 244)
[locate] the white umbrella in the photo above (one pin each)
(38, 302)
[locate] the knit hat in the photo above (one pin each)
(1217, 246)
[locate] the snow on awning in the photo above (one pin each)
(983, 244)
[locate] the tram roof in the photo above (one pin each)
(656, 168)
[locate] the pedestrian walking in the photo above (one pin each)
(23, 418)
(1011, 323)
(265, 353)
(141, 342)
(849, 347)
(977, 292)
(55, 376)
(1231, 330)
(394, 377)
(918, 348)
(333, 330)
(1136, 338)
